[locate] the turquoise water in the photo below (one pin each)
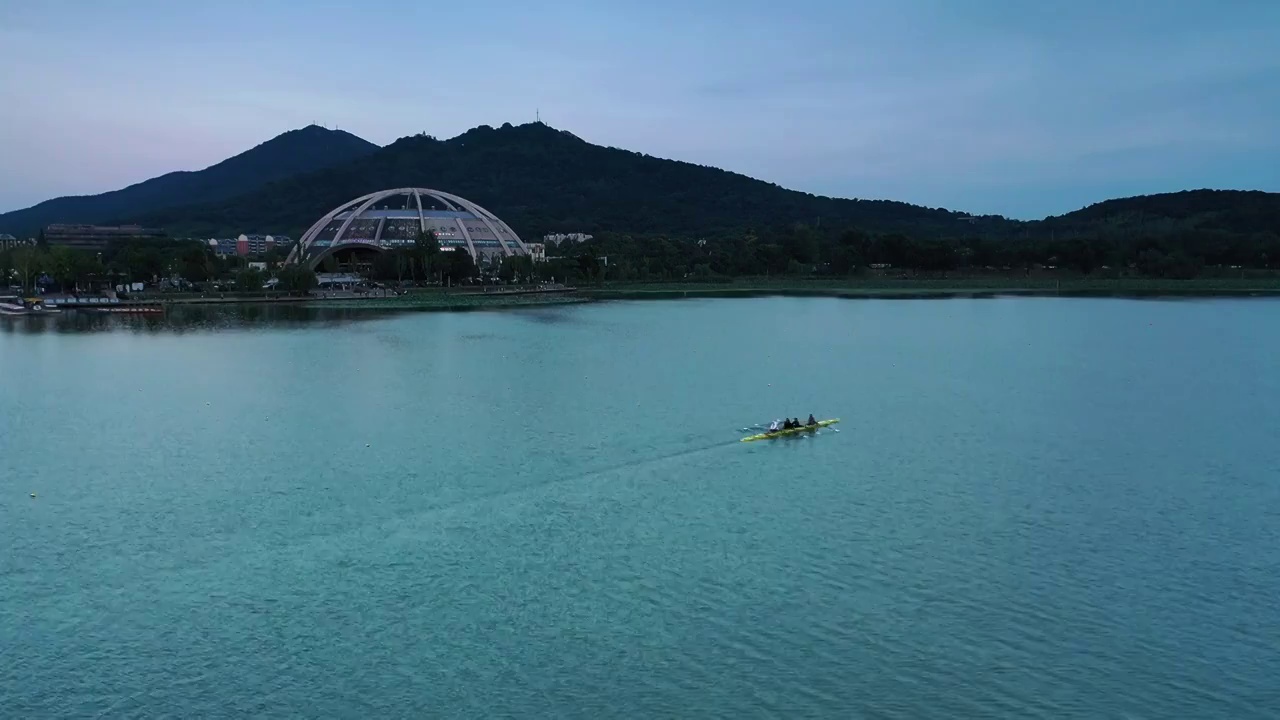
(1033, 508)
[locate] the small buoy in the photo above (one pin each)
(366, 444)
(206, 402)
(33, 494)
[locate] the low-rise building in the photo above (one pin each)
(253, 245)
(260, 244)
(557, 238)
(8, 242)
(96, 238)
(222, 247)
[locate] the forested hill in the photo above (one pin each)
(540, 179)
(286, 155)
(1226, 211)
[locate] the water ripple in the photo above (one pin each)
(522, 516)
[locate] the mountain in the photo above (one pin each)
(297, 151)
(540, 179)
(1220, 211)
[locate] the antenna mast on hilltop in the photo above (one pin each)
(537, 114)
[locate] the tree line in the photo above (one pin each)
(192, 261)
(808, 250)
(140, 260)
(797, 250)
(423, 262)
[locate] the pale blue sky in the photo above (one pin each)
(1018, 107)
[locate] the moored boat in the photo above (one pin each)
(25, 306)
(156, 309)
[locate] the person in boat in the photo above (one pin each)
(773, 426)
(811, 420)
(795, 423)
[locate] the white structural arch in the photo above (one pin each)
(461, 224)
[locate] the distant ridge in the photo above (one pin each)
(541, 179)
(296, 151)
(544, 180)
(1234, 211)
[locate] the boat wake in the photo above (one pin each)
(474, 497)
(649, 460)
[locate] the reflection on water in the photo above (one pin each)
(185, 318)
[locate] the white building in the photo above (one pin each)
(8, 241)
(557, 238)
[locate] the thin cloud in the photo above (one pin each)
(1022, 109)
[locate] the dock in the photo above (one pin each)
(102, 304)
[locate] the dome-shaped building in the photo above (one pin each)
(393, 218)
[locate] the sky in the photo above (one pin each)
(1023, 108)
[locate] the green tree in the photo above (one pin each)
(273, 256)
(384, 266)
(297, 279)
(27, 260)
(249, 280)
(193, 263)
(142, 262)
(62, 267)
(802, 244)
(426, 249)
(6, 268)
(842, 260)
(507, 271)
(210, 267)
(521, 267)
(404, 264)
(588, 265)
(457, 265)
(86, 267)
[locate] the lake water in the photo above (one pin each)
(1033, 508)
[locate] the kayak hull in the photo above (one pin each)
(793, 431)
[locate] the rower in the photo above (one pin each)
(811, 420)
(773, 426)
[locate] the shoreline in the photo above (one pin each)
(927, 294)
(942, 288)
(926, 290)
(853, 289)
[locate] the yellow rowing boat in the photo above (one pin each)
(792, 431)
